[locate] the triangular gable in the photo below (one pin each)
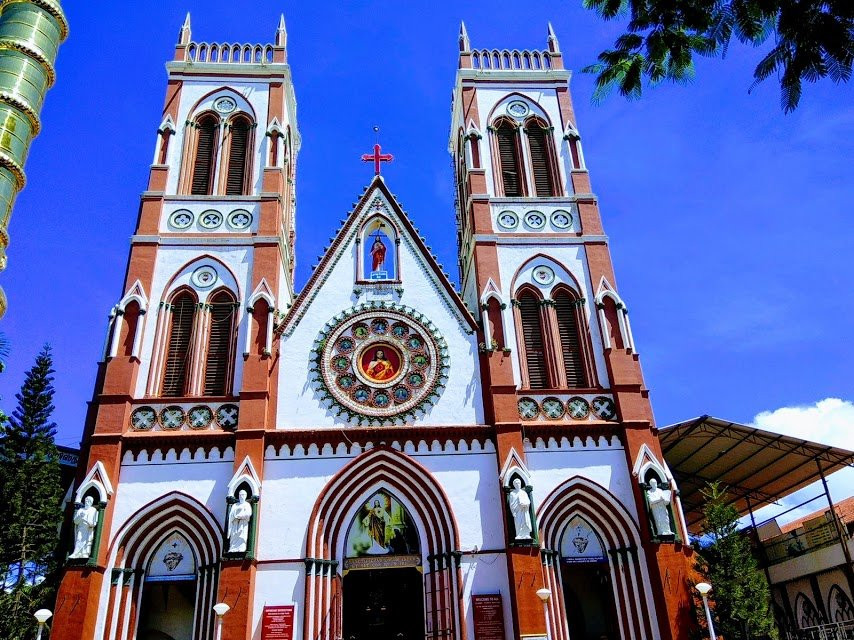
(245, 473)
(262, 291)
(364, 208)
(647, 459)
(96, 478)
(512, 465)
(137, 293)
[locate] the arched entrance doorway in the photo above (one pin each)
(588, 590)
(383, 583)
(169, 592)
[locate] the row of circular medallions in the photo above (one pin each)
(381, 365)
(173, 417)
(239, 219)
(535, 220)
(576, 408)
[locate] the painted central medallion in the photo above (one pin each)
(380, 362)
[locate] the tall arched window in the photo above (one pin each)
(175, 371)
(569, 324)
(220, 344)
(542, 157)
(237, 179)
(204, 162)
(509, 158)
(532, 339)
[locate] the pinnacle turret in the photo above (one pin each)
(465, 45)
(281, 33)
(554, 45)
(184, 35)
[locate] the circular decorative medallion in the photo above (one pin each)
(225, 104)
(143, 419)
(200, 417)
(380, 362)
(543, 274)
(604, 408)
(226, 417)
(172, 417)
(508, 220)
(562, 219)
(528, 408)
(204, 277)
(181, 219)
(210, 219)
(535, 219)
(239, 219)
(553, 408)
(577, 408)
(518, 109)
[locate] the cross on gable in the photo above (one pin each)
(376, 157)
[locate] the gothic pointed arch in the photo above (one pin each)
(613, 317)
(575, 355)
(173, 539)
(507, 153)
(381, 469)
(542, 157)
(220, 344)
(613, 523)
(378, 250)
(202, 152)
(531, 338)
(806, 612)
(182, 308)
(839, 605)
(237, 154)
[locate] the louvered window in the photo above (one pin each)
(532, 334)
(178, 355)
(238, 158)
(220, 342)
(566, 309)
(541, 166)
(203, 164)
(508, 156)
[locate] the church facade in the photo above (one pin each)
(378, 456)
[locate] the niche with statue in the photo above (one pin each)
(658, 498)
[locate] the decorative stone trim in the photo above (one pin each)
(181, 417)
(575, 408)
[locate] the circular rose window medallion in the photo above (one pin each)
(380, 363)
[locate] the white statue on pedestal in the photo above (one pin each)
(520, 506)
(239, 516)
(85, 522)
(659, 503)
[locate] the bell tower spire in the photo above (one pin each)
(186, 34)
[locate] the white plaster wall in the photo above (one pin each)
(279, 583)
(604, 464)
(573, 258)
(256, 94)
(486, 574)
(460, 402)
(141, 484)
(171, 260)
(545, 97)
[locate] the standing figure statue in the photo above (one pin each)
(377, 254)
(239, 516)
(659, 503)
(520, 506)
(85, 523)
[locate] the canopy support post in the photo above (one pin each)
(839, 534)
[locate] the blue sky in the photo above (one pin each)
(730, 223)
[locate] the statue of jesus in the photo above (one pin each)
(377, 254)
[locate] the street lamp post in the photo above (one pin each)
(704, 588)
(220, 609)
(544, 595)
(42, 616)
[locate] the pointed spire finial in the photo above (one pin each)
(554, 45)
(281, 32)
(184, 37)
(465, 45)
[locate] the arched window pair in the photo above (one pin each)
(234, 154)
(511, 172)
(199, 346)
(554, 351)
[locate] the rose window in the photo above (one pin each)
(380, 362)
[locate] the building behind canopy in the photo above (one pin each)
(808, 560)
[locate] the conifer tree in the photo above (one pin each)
(30, 495)
(741, 596)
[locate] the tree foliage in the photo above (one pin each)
(812, 39)
(30, 496)
(742, 598)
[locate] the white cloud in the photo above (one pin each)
(829, 421)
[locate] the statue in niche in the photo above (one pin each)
(239, 516)
(85, 523)
(377, 255)
(659, 507)
(520, 507)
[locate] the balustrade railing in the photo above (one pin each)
(515, 60)
(225, 53)
(832, 631)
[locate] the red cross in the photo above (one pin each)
(376, 157)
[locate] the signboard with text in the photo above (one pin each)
(277, 623)
(488, 617)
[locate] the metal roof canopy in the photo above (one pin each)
(758, 467)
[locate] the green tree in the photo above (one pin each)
(812, 39)
(30, 496)
(741, 597)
